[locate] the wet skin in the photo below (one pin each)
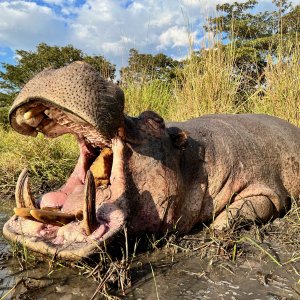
(143, 173)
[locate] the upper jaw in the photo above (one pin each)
(78, 89)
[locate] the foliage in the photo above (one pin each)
(245, 75)
(281, 93)
(153, 95)
(145, 67)
(254, 36)
(206, 85)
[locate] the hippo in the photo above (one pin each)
(143, 173)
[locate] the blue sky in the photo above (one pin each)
(106, 27)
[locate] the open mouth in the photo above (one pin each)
(73, 221)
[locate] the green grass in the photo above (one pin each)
(154, 95)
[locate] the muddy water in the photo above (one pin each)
(156, 276)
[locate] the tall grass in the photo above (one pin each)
(281, 94)
(206, 85)
(153, 95)
(213, 85)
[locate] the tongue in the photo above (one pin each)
(75, 183)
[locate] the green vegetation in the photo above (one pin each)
(252, 66)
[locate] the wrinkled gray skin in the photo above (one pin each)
(216, 167)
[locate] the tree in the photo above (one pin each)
(145, 67)
(254, 36)
(30, 63)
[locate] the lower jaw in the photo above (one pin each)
(73, 251)
(73, 241)
(68, 242)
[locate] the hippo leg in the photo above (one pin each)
(256, 208)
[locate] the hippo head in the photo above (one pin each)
(127, 172)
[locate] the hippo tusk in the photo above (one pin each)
(89, 209)
(52, 217)
(27, 195)
(23, 194)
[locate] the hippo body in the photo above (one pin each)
(142, 173)
(233, 158)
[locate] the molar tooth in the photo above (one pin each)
(46, 125)
(89, 209)
(47, 112)
(52, 217)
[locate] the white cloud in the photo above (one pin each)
(175, 37)
(60, 2)
(25, 24)
(106, 27)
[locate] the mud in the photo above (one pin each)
(261, 263)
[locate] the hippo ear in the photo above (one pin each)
(147, 124)
(178, 137)
(152, 119)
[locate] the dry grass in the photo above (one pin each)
(206, 86)
(281, 94)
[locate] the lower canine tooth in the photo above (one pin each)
(50, 208)
(89, 209)
(52, 217)
(23, 194)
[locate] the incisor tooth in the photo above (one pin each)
(52, 217)
(35, 120)
(20, 115)
(89, 209)
(32, 112)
